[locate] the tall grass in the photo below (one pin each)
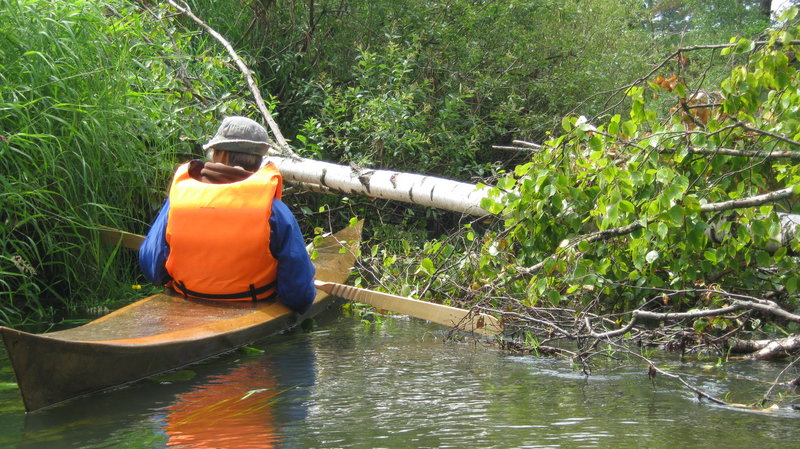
(96, 108)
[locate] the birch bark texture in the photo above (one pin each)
(413, 188)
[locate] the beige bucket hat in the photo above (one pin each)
(241, 135)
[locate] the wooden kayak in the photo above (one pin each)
(157, 334)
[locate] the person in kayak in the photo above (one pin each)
(223, 233)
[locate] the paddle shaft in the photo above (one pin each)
(480, 323)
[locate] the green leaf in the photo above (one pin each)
(744, 46)
(651, 256)
(549, 265)
(629, 128)
(521, 170)
(566, 124)
(491, 206)
(676, 214)
(791, 285)
(250, 351)
(680, 90)
(662, 229)
(506, 183)
(613, 125)
(697, 238)
(788, 14)
(762, 258)
(427, 266)
(612, 212)
(627, 207)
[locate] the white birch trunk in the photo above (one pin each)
(466, 198)
(386, 184)
(790, 225)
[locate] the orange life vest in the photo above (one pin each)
(218, 236)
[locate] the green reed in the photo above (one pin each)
(96, 108)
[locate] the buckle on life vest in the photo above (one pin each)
(252, 293)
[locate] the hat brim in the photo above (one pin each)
(237, 145)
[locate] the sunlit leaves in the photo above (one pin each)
(652, 176)
(426, 266)
(740, 46)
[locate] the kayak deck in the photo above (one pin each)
(157, 334)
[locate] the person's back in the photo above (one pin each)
(224, 234)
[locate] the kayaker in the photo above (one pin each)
(224, 233)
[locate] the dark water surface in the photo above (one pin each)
(401, 385)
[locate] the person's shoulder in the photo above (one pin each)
(280, 208)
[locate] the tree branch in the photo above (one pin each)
(282, 145)
(774, 154)
(780, 137)
(752, 201)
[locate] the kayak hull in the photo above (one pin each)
(158, 334)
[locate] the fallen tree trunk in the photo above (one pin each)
(386, 184)
(766, 349)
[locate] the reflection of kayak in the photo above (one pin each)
(233, 410)
(157, 334)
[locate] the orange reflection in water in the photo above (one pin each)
(234, 410)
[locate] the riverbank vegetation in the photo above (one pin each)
(643, 155)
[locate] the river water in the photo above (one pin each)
(403, 384)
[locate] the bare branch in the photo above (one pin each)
(508, 148)
(282, 145)
(769, 392)
(780, 137)
(767, 154)
(752, 201)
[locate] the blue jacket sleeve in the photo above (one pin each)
(295, 283)
(154, 250)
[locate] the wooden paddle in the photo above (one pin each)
(111, 236)
(479, 323)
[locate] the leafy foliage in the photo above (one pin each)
(621, 213)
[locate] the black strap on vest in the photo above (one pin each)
(252, 293)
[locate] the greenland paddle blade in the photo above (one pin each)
(111, 236)
(454, 317)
